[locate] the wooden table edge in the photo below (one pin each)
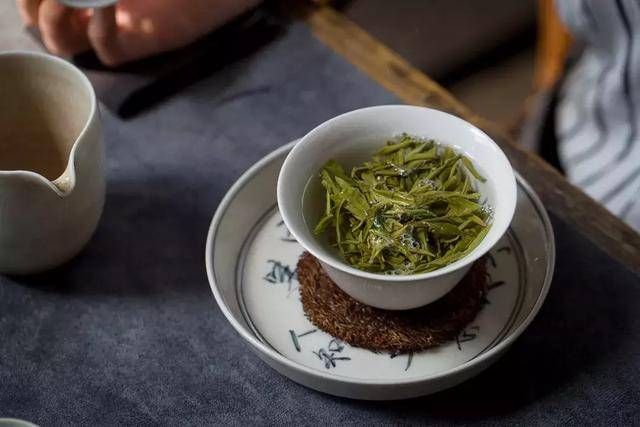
(388, 69)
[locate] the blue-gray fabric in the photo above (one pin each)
(129, 333)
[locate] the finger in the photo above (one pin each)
(64, 30)
(29, 11)
(104, 37)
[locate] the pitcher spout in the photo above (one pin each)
(16, 180)
(65, 183)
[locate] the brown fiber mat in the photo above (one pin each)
(335, 312)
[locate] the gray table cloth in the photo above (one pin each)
(129, 334)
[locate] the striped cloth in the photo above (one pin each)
(598, 114)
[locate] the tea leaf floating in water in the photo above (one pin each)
(412, 209)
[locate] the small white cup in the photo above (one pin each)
(83, 4)
(15, 422)
(352, 138)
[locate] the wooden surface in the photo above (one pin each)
(552, 47)
(412, 86)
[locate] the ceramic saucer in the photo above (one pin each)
(251, 263)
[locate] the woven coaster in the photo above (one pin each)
(335, 312)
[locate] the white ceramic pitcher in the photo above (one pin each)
(51, 162)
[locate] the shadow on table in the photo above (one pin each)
(150, 240)
(584, 321)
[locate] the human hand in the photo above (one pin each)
(133, 29)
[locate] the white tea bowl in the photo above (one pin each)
(353, 138)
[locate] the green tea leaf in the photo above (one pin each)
(413, 208)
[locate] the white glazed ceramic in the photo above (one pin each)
(51, 162)
(14, 422)
(251, 259)
(88, 3)
(352, 138)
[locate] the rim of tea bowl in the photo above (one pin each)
(353, 137)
